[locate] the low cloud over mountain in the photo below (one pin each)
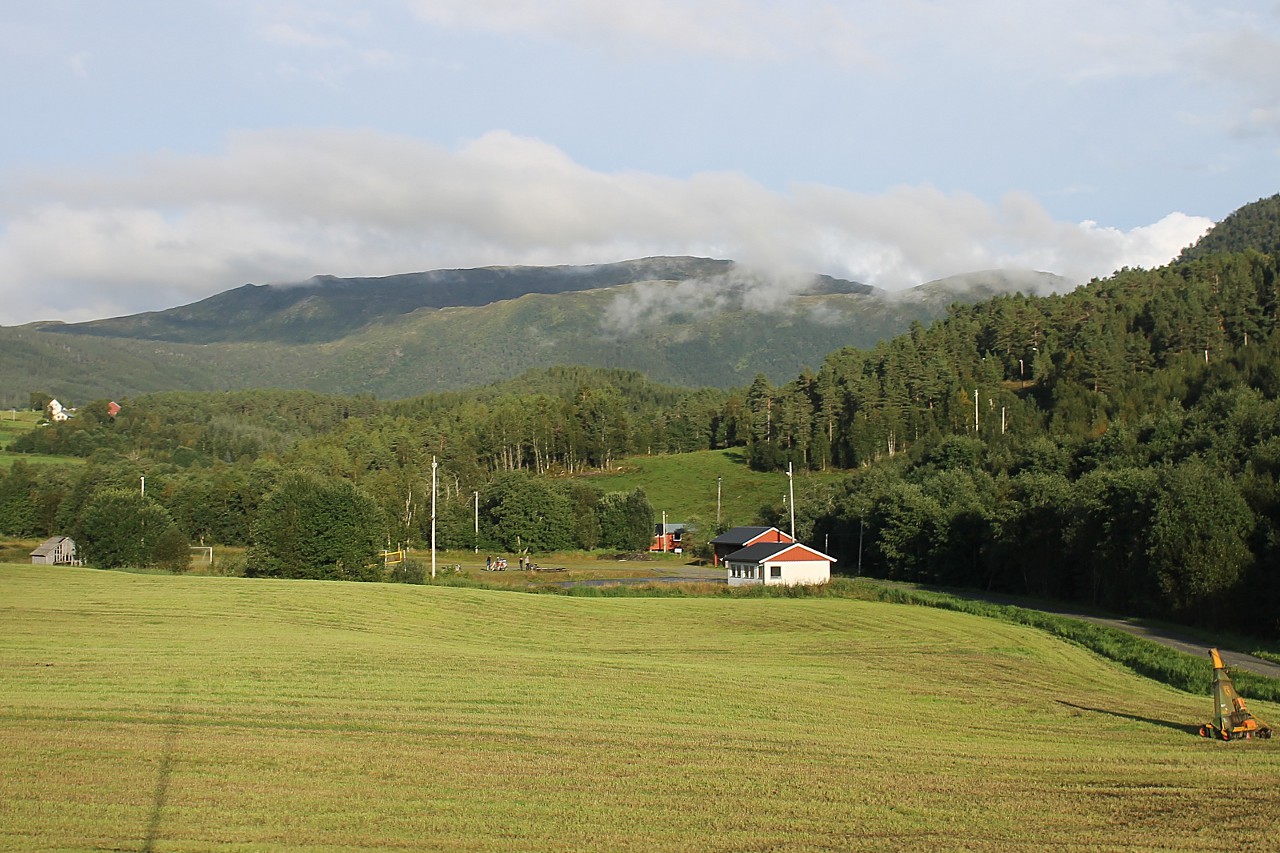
(283, 205)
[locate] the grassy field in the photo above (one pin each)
(565, 567)
(13, 423)
(684, 485)
(149, 712)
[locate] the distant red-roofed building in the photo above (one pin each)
(667, 537)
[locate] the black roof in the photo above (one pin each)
(739, 535)
(762, 551)
(759, 552)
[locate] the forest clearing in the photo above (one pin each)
(199, 713)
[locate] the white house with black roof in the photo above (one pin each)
(779, 563)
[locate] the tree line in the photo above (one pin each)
(1117, 446)
(299, 521)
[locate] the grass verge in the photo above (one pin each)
(1143, 656)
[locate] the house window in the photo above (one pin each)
(775, 571)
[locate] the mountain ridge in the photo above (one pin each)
(720, 325)
(327, 308)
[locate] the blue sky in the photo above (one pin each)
(156, 153)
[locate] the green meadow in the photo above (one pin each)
(14, 423)
(155, 712)
(684, 485)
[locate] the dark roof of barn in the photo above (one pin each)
(739, 535)
(759, 552)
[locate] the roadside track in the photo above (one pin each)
(1164, 635)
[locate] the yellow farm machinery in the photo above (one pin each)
(1231, 720)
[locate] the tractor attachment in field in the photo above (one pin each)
(1231, 720)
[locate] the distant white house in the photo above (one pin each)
(778, 563)
(56, 551)
(56, 412)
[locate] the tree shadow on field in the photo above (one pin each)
(173, 724)
(1193, 730)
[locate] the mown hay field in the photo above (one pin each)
(150, 712)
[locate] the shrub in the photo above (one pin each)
(172, 551)
(408, 571)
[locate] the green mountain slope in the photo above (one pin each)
(699, 330)
(327, 308)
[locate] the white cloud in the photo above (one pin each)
(1246, 62)
(319, 41)
(732, 29)
(284, 205)
(743, 288)
(1078, 41)
(1234, 44)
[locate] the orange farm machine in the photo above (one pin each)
(1231, 720)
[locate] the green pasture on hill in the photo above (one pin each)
(13, 423)
(7, 459)
(684, 485)
(153, 712)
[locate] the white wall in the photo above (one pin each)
(793, 573)
(802, 572)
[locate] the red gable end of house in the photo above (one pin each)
(799, 553)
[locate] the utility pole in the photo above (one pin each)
(791, 489)
(718, 478)
(664, 531)
(860, 523)
(433, 518)
(477, 522)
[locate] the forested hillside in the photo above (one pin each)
(1254, 226)
(214, 462)
(1118, 445)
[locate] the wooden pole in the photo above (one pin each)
(433, 518)
(791, 489)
